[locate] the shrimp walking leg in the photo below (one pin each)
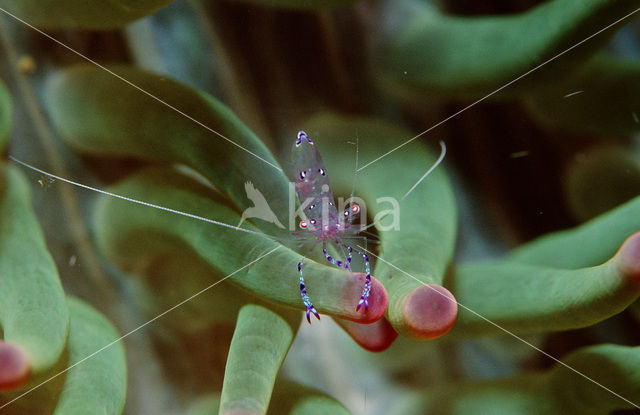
(305, 297)
(339, 264)
(364, 298)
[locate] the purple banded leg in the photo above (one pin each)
(335, 262)
(364, 299)
(302, 135)
(348, 264)
(305, 297)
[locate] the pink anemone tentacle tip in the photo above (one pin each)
(374, 337)
(14, 366)
(628, 257)
(377, 303)
(429, 311)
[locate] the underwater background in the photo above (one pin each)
(510, 287)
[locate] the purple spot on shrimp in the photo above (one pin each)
(303, 135)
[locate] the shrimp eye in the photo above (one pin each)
(303, 224)
(355, 209)
(312, 221)
(303, 174)
(321, 171)
(346, 213)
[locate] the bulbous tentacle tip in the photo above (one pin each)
(312, 309)
(14, 366)
(429, 311)
(628, 258)
(374, 337)
(374, 299)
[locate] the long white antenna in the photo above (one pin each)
(139, 202)
(144, 91)
(443, 152)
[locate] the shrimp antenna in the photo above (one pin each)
(139, 202)
(443, 152)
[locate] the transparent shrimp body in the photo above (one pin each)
(323, 221)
